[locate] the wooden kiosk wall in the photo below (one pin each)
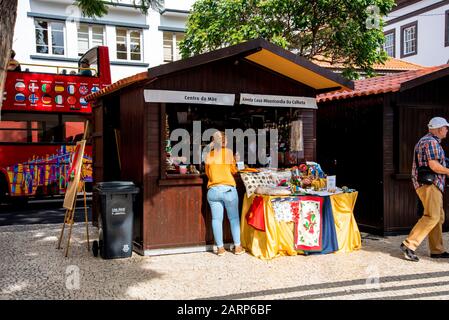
(172, 210)
(372, 140)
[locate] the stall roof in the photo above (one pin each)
(258, 51)
(389, 83)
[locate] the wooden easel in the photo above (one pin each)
(69, 217)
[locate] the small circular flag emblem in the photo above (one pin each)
(20, 97)
(33, 98)
(83, 90)
(83, 101)
(94, 89)
(59, 88)
(46, 99)
(71, 89)
(32, 87)
(46, 88)
(20, 86)
(59, 99)
(71, 100)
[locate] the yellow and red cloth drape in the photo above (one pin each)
(278, 237)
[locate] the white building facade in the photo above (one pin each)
(53, 32)
(418, 31)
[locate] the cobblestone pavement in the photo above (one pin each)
(31, 268)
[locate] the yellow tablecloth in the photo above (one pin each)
(278, 240)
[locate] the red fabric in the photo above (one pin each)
(256, 216)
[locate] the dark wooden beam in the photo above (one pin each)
(424, 79)
(417, 12)
(243, 50)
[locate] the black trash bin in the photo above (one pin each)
(115, 221)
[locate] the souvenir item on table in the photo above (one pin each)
(331, 185)
(307, 176)
(273, 191)
(297, 190)
(318, 184)
(308, 235)
(286, 209)
(169, 163)
(280, 177)
(255, 216)
(193, 169)
(254, 180)
(345, 189)
(170, 167)
(250, 170)
(303, 168)
(315, 169)
(182, 169)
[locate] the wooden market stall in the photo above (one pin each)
(134, 117)
(366, 137)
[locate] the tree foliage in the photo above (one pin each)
(98, 8)
(344, 31)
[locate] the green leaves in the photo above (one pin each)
(334, 29)
(98, 8)
(92, 8)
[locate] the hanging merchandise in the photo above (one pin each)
(286, 209)
(308, 228)
(296, 136)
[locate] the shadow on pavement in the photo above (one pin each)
(40, 212)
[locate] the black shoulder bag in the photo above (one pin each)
(425, 174)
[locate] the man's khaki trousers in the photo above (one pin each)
(431, 223)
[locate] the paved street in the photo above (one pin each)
(31, 268)
(40, 212)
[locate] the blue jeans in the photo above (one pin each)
(220, 197)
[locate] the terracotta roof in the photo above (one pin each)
(392, 64)
(378, 85)
(118, 85)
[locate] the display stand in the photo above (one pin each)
(70, 204)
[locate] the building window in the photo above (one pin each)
(171, 45)
(89, 37)
(409, 39)
(390, 43)
(129, 44)
(49, 37)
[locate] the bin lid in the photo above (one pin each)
(116, 187)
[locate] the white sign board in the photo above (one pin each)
(331, 183)
(278, 101)
(168, 96)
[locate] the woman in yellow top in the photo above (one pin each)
(222, 193)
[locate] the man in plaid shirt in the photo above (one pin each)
(428, 152)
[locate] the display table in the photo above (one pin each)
(339, 231)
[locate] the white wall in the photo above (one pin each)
(24, 33)
(431, 24)
(179, 4)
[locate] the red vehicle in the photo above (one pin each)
(42, 118)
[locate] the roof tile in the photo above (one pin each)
(377, 85)
(118, 85)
